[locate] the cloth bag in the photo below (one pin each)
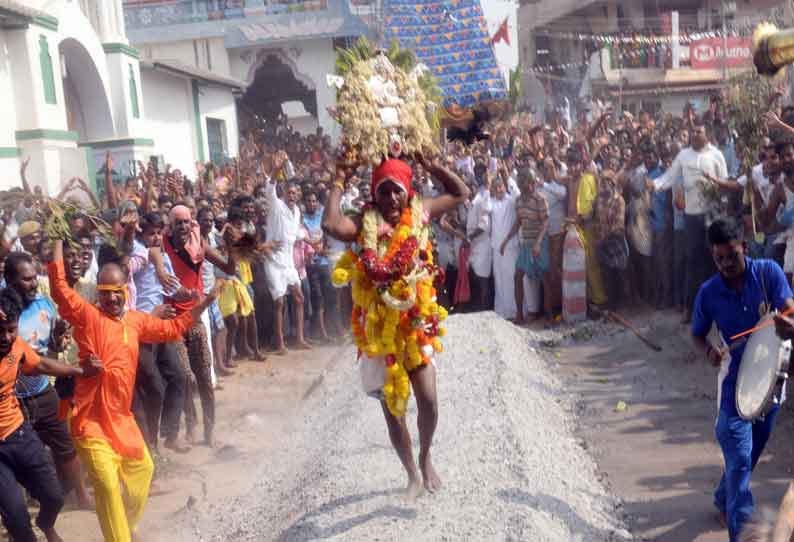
(613, 252)
(373, 375)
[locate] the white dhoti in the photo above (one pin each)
(504, 270)
(283, 226)
(503, 217)
(532, 297)
(205, 321)
(280, 277)
(479, 219)
(480, 256)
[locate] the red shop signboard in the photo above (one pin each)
(709, 54)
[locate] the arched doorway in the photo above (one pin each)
(273, 83)
(87, 105)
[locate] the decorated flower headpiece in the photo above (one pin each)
(394, 170)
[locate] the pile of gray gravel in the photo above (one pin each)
(505, 450)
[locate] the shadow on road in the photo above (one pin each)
(307, 528)
(551, 505)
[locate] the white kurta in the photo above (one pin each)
(479, 218)
(503, 216)
(283, 224)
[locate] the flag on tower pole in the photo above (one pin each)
(502, 34)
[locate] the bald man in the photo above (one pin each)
(103, 427)
(187, 252)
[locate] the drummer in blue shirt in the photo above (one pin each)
(735, 300)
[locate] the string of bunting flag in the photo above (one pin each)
(554, 67)
(635, 38)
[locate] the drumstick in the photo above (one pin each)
(762, 326)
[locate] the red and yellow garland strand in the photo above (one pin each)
(395, 312)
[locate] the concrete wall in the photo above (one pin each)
(209, 54)
(9, 163)
(169, 103)
(219, 103)
(23, 50)
(82, 48)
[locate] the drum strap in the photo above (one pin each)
(767, 308)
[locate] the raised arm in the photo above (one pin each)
(90, 193)
(335, 222)
(71, 305)
(23, 168)
(147, 189)
(110, 192)
(456, 191)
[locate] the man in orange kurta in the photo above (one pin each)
(105, 434)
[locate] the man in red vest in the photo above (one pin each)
(187, 251)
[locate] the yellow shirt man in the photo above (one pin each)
(585, 198)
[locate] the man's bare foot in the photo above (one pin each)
(51, 535)
(190, 436)
(519, 321)
(209, 441)
(429, 475)
(245, 354)
(177, 445)
(302, 345)
(281, 351)
(414, 490)
(259, 356)
(223, 371)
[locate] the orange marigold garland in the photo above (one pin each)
(395, 311)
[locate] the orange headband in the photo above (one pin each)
(113, 288)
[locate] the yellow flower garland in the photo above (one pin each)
(398, 321)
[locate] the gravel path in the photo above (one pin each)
(505, 449)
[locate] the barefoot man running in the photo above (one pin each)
(395, 316)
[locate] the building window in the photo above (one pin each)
(216, 140)
(47, 77)
(136, 111)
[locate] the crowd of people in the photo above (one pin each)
(640, 191)
(109, 338)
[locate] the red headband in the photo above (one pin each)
(393, 170)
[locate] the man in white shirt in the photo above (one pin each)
(478, 231)
(691, 168)
(283, 226)
(556, 197)
(505, 192)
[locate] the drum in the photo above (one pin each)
(763, 372)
